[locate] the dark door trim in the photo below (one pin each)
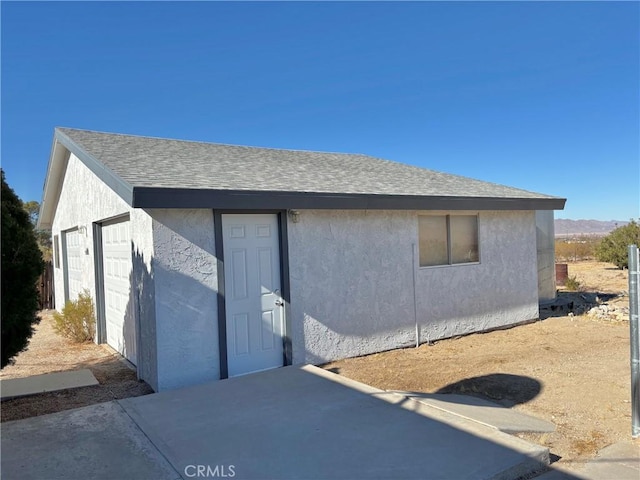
(284, 279)
(98, 258)
(98, 255)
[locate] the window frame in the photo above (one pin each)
(56, 251)
(448, 235)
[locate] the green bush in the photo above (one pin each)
(77, 320)
(572, 284)
(613, 247)
(21, 267)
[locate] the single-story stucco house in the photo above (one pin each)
(207, 261)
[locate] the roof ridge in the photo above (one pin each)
(235, 145)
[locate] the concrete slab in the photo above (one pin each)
(96, 442)
(305, 422)
(483, 411)
(563, 474)
(620, 461)
(49, 382)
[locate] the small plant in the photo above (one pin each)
(572, 284)
(77, 320)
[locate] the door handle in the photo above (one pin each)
(279, 302)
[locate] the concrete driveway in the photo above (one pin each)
(293, 422)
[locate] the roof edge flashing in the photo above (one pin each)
(155, 197)
(56, 169)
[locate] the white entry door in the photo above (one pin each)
(118, 298)
(254, 311)
(72, 264)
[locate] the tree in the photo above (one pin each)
(21, 266)
(33, 209)
(613, 247)
(42, 236)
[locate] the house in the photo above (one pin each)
(207, 261)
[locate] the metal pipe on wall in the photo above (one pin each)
(415, 294)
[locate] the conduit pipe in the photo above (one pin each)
(414, 255)
(634, 300)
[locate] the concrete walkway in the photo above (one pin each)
(483, 411)
(293, 422)
(48, 382)
(305, 422)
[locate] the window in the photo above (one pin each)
(56, 250)
(448, 239)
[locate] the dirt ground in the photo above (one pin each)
(571, 370)
(49, 352)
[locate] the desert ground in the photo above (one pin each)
(49, 352)
(571, 370)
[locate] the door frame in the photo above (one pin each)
(101, 316)
(287, 352)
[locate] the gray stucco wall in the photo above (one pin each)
(545, 241)
(500, 290)
(186, 283)
(352, 282)
(351, 276)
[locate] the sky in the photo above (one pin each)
(543, 96)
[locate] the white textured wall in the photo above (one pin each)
(143, 282)
(185, 281)
(352, 282)
(174, 276)
(85, 199)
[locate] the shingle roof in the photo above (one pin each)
(153, 166)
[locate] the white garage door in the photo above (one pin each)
(72, 264)
(118, 298)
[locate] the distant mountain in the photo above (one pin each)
(565, 227)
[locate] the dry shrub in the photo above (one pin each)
(572, 284)
(589, 445)
(77, 321)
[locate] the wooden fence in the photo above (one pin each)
(45, 287)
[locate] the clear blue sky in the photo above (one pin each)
(540, 96)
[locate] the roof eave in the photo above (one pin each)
(154, 197)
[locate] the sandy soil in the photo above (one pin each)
(49, 352)
(572, 371)
(599, 276)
